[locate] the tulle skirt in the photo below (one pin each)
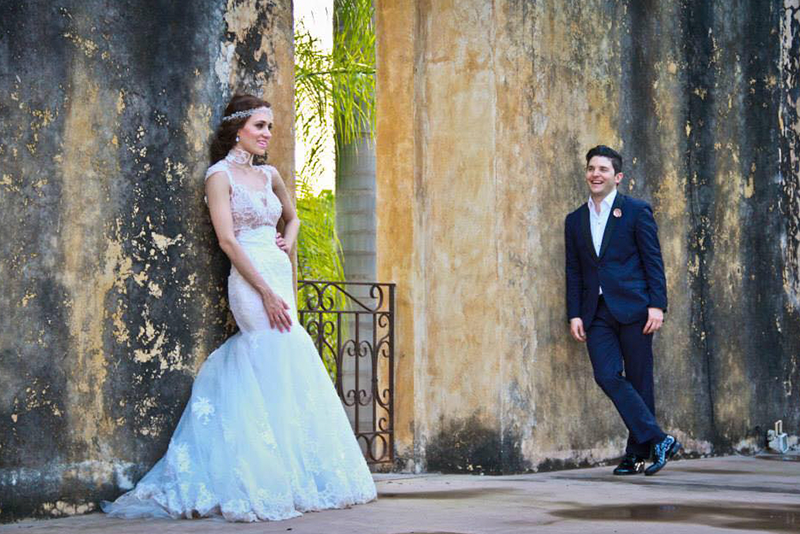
(263, 437)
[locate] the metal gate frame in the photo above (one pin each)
(329, 311)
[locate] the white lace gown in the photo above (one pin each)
(264, 435)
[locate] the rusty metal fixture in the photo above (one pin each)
(353, 324)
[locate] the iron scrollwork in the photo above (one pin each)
(352, 326)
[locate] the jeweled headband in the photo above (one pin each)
(245, 113)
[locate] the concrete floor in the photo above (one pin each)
(729, 494)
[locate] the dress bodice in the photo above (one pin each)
(250, 208)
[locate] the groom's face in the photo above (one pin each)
(600, 176)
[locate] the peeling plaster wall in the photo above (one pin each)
(485, 112)
(113, 286)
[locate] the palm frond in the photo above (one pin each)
(334, 99)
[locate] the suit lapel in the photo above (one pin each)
(587, 232)
(619, 201)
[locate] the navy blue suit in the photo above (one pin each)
(630, 270)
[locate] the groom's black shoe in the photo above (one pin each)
(630, 465)
(663, 451)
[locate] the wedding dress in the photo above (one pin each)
(264, 435)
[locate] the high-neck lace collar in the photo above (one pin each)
(239, 156)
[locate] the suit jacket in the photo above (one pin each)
(629, 267)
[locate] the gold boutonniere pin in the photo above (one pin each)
(617, 213)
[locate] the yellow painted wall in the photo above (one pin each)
(486, 110)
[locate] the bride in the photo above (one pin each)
(264, 435)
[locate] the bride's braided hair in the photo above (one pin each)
(225, 136)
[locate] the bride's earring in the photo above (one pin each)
(237, 138)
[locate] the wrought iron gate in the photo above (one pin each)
(352, 325)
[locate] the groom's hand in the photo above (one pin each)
(576, 329)
(655, 318)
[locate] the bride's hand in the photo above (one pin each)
(277, 311)
(282, 243)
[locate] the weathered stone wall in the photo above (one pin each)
(485, 110)
(113, 288)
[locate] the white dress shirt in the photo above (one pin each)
(597, 222)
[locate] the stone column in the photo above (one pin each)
(113, 284)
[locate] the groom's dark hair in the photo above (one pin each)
(607, 152)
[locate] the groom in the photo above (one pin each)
(616, 299)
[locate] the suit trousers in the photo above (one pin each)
(622, 359)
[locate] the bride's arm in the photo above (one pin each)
(219, 204)
(289, 215)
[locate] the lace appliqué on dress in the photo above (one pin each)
(202, 409)
(250, 208)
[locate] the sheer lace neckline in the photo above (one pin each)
(252, 207)
(260, 189)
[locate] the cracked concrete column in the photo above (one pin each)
(113, 285)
